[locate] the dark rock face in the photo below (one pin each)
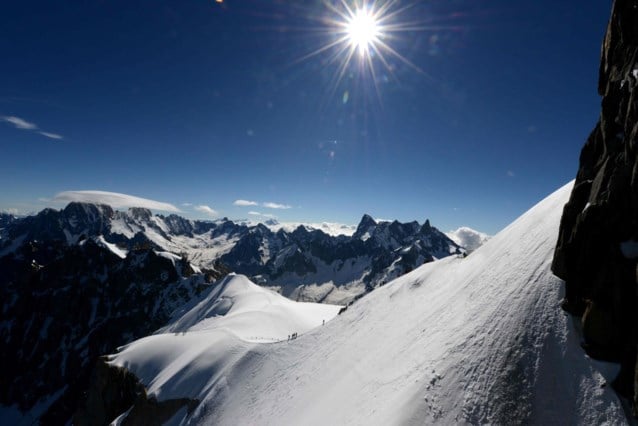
(115, 390)
(6, 219)
(77, 219)
(595, 254)
(62, 306)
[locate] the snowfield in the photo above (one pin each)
(471, 340)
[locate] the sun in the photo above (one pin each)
(361, 37)
(363, 31)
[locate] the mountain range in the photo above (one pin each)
(302, 264)
(77, 283)
(476, 340)
(453, 339)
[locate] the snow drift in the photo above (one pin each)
(475, 340)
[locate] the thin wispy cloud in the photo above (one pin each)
(270, 205)
(22, 124)
(114, 199)
(51, 135)
(269, 216)
(18, 122)
(207, 210)
(245, 203)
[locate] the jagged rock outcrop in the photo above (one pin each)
(304, 264)
(309, 265)
(62, 306)
(6, 219)
(114, 390)
(75, 221)
(597, 249)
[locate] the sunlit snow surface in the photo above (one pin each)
(475, 340)
(190, 355)
(121, 253)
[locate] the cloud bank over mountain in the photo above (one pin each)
(114, 199)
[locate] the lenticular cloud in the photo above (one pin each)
(114, 199)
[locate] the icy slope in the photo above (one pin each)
(475, 340)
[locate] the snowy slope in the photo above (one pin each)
(468, 238)
(251, 312)
(235, 317)
(475, 340)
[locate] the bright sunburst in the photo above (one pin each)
(362, 35)
(363, 31)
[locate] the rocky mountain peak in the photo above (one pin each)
(365, 224)
(87, 215)
(6, 219)
(367, 220)
(140, 214)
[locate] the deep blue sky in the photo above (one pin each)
(197, 102)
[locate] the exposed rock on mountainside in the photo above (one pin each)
(114, 390)
(62, 306)
(303, 264)
(597, 250)
(79, 282)
(6, 219)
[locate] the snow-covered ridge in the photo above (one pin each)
(251, 313)
(473, 340)
(193, 352)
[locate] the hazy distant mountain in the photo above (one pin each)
(330, 228)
